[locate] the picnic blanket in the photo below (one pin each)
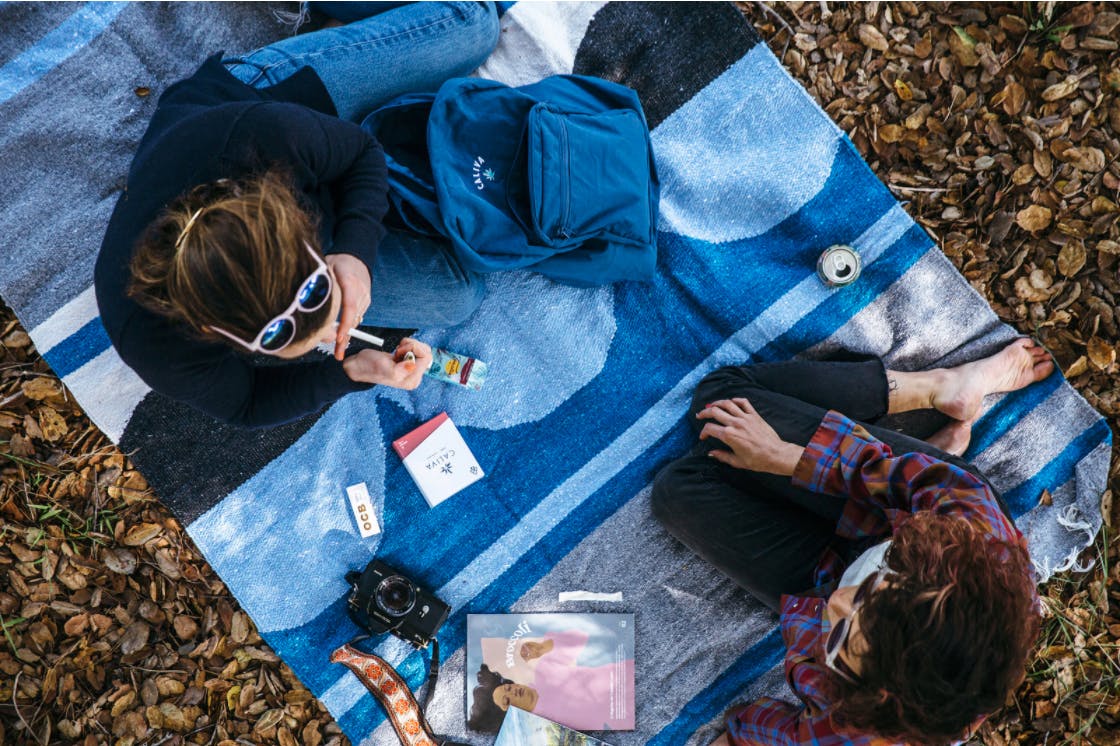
(587, 387)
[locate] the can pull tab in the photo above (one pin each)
(841, 268)
(839, 265)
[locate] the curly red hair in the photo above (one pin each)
(949, 636)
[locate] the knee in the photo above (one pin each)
(462, 301)
(666, 496)
(482, 31)
(723, 383)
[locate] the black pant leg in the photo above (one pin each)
(761, 541)
(857, 390)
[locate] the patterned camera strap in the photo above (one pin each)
(384, 683)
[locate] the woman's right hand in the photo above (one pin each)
(394, 370)
(754, 445)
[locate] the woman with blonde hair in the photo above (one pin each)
(254, 220)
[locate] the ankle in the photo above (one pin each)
(942, 382)
(918, 390)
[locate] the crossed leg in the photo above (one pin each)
(758, 528)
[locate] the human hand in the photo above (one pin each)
(754, 445)
(395, 370)
(352, 276)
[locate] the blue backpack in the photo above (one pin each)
(557, 176)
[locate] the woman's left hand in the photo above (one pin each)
(353, 280)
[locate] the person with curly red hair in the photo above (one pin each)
(906, 596)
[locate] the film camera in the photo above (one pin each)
(383, 600)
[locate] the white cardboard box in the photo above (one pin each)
(438, 459)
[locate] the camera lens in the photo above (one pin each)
(395, 595)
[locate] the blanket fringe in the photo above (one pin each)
(1071, 520)
(292, 20)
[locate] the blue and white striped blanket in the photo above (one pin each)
(587, 386)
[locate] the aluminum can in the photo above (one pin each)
(839, 265)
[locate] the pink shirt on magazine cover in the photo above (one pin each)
(583, 697)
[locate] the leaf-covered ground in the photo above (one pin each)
(997, 124)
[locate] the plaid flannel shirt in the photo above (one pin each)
(843, 459)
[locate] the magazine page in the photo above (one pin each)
(522, 728)
(574, 669)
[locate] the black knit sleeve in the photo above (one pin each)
(325, 152)
(228, 385)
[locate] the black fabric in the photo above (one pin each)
(642, 45)
(758, 529)
(212, 126)
(193, 461)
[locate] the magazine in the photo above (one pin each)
(522, 728)
(574, 669)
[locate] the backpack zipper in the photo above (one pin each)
(566, 181)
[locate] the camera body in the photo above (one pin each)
(383, 600)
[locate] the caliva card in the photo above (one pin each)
(438, 459)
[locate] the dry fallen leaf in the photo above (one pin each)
(120, 561)
(1085, 159)
(41, 387)
(1023, 174)
(1034, 218)
(1071, 258)
(1101, 354)
(185, 627)
(1014, 97)
(135, 637)
(141, 534)
(17, 340)
(239, 630)
(963, 47)
(52, 424)
(903, 89)
(891, 133)
(1060, 90)
(1077, 367)
(76, 625)
(872, 38)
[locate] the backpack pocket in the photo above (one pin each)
(589, 176)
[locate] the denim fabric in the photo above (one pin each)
(389, 50)
(363, 64)
(418, 283)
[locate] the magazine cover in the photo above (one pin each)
(575, 669)
(522, 728)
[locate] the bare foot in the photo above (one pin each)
(1016, 366)
(953, 438)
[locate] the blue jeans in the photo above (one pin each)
(388, 50)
